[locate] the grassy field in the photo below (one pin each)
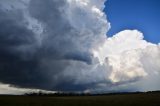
(108, 100)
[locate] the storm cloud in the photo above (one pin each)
(61, 45)
(47, 44)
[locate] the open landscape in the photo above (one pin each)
(132, 99)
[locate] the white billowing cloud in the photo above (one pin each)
(126, 66)
(131, 59)
(121, 42)
(123, 55)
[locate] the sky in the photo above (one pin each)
(143, 15)
(66, 45)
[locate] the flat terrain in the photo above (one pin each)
(144, 99)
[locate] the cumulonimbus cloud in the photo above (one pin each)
(47, 44)
(62, 45)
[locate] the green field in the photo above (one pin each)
(108, 100)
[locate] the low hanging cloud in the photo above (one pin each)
(62, 45)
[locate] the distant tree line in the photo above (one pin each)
(40, 93)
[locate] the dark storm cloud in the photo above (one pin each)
(57, 58)
(17, 42)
